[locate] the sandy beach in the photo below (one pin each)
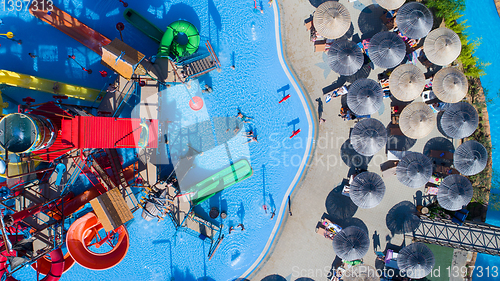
(298, 251)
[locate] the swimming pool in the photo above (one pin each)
(240, 36)
(484, 22)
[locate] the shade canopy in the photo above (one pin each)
(416, 260)
(368, 136)
(360, 272)
(402, 218)
(345, 57)
(365, 97)
(417, 120)
(387, 49)
(390, 4)
(470, 158)
(406, 82)
(442, 46)
(414, 170)
(414, 20)
(450, 85)
(459, 120)
(367, 190)
(332, 20)
(352, 243)
(454, 192)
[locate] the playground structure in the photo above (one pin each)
(70, 144)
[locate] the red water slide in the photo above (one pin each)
(79, 237)
(56, 268)
(72, 27)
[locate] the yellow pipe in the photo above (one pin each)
(49, 86)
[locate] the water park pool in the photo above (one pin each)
(241, 36)
(482, 22)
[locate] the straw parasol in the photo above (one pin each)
(414, 170)
(459, 120)
(332, 20)
(406, 82)
(390, 4)
(416, 260)
(352, 243)
(367, 190)
(470, 158)
(450, 85)
(361, 272)
(365, 97)
(417, 120)
(442, 46)
(454, 192)
(387, 49)
(345, 57)
(368, 136)
(414, 20)
(402, 218)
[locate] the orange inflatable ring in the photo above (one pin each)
(196, 103)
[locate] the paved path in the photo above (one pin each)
(299, 251)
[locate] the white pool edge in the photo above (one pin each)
(307, 151)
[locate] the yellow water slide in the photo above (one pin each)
(49, 86)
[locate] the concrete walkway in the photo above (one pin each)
(299, 251)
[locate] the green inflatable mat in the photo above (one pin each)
(219, 181)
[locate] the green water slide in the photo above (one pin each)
(235, 173)
(181, 39)
(143, 24)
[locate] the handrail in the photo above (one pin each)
(132, 85)
(211, 51)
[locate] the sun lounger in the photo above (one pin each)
(396, 131)
(391, 259)
(431, 190)
(395, 154)
(319, 45)
(323, 232)
(441, 154)
(445, 170)
(346, 190)
(308, 25)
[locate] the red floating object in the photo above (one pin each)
(104, 73)
(196, 103)
(285, 98)
(295, 133)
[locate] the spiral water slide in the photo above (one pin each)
(80, 236)
(54, 273)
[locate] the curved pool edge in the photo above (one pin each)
(311, 137)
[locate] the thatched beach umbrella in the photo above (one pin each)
(459, 120)
(442, 46)
(367, 190)
(365, 97)
(406, 82)
(390, 4)
(387, 49)
(454, 192)
(414, 170)
(361, 272)
(352, 243)
(345, 57)
(402, 218)
(414, 20)
(450, 85)
(470, 158)
(368, 136)
(332, 20)
(417, 120)
(416, 260)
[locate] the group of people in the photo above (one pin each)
(231, 229)
(252, 137)
(346, 114)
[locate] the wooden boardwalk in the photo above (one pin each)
(471, 236)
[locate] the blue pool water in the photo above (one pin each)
(239, 36)
(484, 22)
